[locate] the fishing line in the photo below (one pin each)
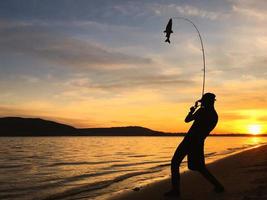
(202, 48)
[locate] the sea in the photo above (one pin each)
(72, 168)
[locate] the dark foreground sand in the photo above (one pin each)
(244, 176)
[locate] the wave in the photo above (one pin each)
(10, 166)
(135, 164)
(89, 187)
(82, 163)
(96, 185)
(210, 154)
(138, 156)
(61, 182)
(235, 149)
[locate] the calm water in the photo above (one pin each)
(93, 167)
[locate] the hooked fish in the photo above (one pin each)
(168, 31)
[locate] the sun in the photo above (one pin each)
(254, 129)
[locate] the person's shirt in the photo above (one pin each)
(205, 120)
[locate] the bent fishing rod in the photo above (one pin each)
(168, 31)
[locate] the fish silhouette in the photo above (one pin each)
(168, 31)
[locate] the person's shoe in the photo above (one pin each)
(172, 193)
(219, 189)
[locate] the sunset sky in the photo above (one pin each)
(104, 63)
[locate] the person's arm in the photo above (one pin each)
(191, 115)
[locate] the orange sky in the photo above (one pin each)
(109, 66)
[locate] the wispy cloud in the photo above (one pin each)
(186, 10)
(127, 81)
(249, 12)
(192, 11)
(250, 9)
(60, 48)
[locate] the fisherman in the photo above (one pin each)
(205, 119)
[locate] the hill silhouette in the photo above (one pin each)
(18, 126)
(122, 131)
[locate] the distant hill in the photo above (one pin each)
(17, 126)
(122, 131)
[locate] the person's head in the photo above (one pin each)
(208, 99)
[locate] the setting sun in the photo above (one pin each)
(254, 129)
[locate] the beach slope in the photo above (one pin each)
(244, 176)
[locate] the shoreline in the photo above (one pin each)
(243, 174)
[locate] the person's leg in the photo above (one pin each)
(206, 173)
(177, 158)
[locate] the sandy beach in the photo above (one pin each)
(244, 176)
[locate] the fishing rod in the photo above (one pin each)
(168, 31)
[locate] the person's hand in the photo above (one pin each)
(192, 109)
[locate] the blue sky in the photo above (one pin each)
(105, 63)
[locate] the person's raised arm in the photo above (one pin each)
(191, 115)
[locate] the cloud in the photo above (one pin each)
(106, 69)
(113, 12)
(154, 9)
(232, 116)
(196, 12)
(135, 9)
(127, 81)
(61, 48)
(186, 10)
(250, 9)
(250, 12)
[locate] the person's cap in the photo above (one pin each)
(208, 97)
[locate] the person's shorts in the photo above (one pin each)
(195, 156)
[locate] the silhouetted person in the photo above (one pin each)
(205, 119)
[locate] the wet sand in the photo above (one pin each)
(244, 176)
